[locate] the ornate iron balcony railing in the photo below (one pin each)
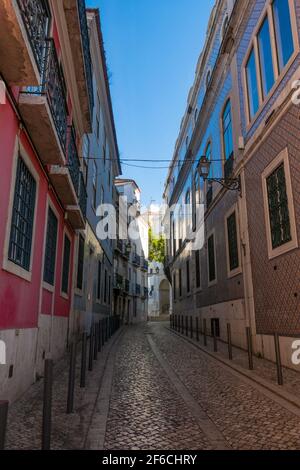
(73, 160)
(86, 50)
(52, 87)
(36, 18)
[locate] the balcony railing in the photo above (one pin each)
(144, 264)
(136, 260)
(52, 87)
(73, 160)
(36, 18)
(86, 50)
(118, 284)
(82, 195)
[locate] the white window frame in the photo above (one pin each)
(8, 265)
(283, 157)
(63, 294)
(50, 205)
(268, 10)
(234, 272)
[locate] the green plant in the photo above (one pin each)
(156, 247)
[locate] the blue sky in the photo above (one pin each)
(152, 48)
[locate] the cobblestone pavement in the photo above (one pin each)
(163, 394)
(146, 412)
(68, 430)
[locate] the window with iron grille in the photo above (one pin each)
(211, 259)
(197, 266)
(80, 263)
(278, 208)
(22, 217)
(232, 242)
(99, 281)
(66, 266)
(50, 250)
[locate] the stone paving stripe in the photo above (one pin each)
(215, 437)
(281, 397)
(97, 430)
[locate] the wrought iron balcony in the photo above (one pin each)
(136, 260)
(52, 88)
(36, 18)
(86, 51)
(118, 283)
(144, 264)
(44, 110)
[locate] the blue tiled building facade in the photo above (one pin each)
(241, 116)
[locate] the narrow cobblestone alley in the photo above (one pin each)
(152, 390)
(149, 411)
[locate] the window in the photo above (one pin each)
(22, 217)
(99, 281)
(80, 263)
(224, 26)
(227, 131)
(283, 32)
(180, 283)
(233, 250)
(211, 259)
(264, 63)
(197, 268)
(278, 208)
(50, 249)
(187, 141)
(188, 209)
(66, 266)
(252, 85)
(208, 78)
(265, 57)
(180, 226)
(95, 185)
(188, 284)
(196, 115)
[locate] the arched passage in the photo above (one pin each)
(164, 297)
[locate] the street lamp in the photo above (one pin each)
(232, 184)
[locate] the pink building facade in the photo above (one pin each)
(45, 66)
